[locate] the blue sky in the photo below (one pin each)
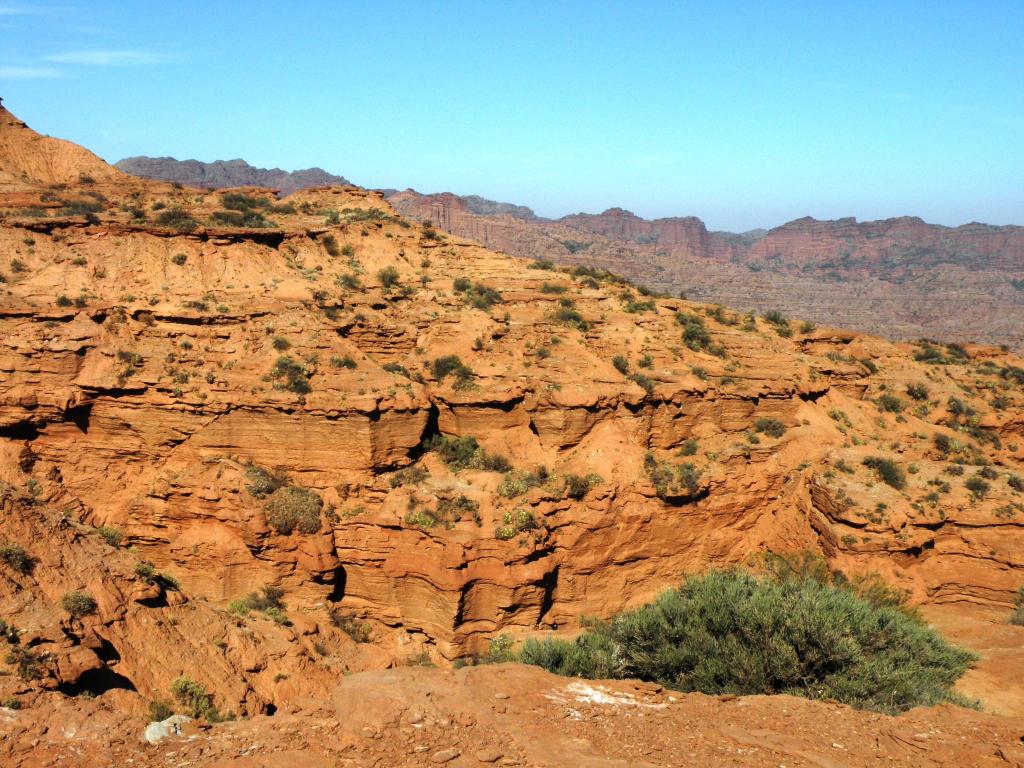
(746, 114)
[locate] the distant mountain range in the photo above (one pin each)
(227, 173)
(900, 277)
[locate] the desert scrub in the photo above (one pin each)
(113, 536)
(262, 482)
(78, 604)
(917, 392)
(452, 510)
(477, 295)
(27, 663)
(1017, 617)
(770, 426)
(465, 453)
(293, 508)
(268, 601)
(452, 365)
(358, 630)
(731, 632)
(517, 482)
(194, 699)
(567, 315)
(672, 480)
(696, 335)
(778, 322)
(16, 557)
(621, 364)
(388, 277)
(176, 219)
(578, 486)
(413, 475)
(515, 522)
(290, 375)
(888, 471)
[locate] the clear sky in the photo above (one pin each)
(746, 114)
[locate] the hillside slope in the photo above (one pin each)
(899, 278)
(422, 444)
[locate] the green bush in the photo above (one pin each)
(351, 626)
(567, 315)
(177, 219)
(296, 377)
(770, 426)
(888, 470)
(464, 452)
(113, 536)
(159, 710)
(442, 367)
(977, 486)
(578, 486)
(477, 294)
(890, 403)
(293, 508)
(1017, 617)
(78, 604)
(516, 482)
(730, 632)
(388, 277)
(621, 364)
(515, 522)
(672, 480)
(194, 698)
(16, 557)
(917, 391)
(27, 663)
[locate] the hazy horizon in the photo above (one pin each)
(744, 115)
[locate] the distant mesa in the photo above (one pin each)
(227, 173)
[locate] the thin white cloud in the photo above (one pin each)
(108, 58)
(27, 10)
(29, 73)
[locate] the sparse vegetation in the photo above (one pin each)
(670, 480)
(78, 604)
(888, 471)
(442, 367)
(464, 452)
(388, 277)
(578, 486)
(195, 699)
(294, 375)
(768, 425)
(16, 557)
(291, 508)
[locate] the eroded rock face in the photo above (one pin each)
(164, 376)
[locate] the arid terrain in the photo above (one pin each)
(900, 278)
(313, 457)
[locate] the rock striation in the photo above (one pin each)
(417, 443)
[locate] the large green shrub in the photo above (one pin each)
(734, 632)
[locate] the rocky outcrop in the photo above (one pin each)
(423, 443)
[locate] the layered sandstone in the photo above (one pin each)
(152, 371)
